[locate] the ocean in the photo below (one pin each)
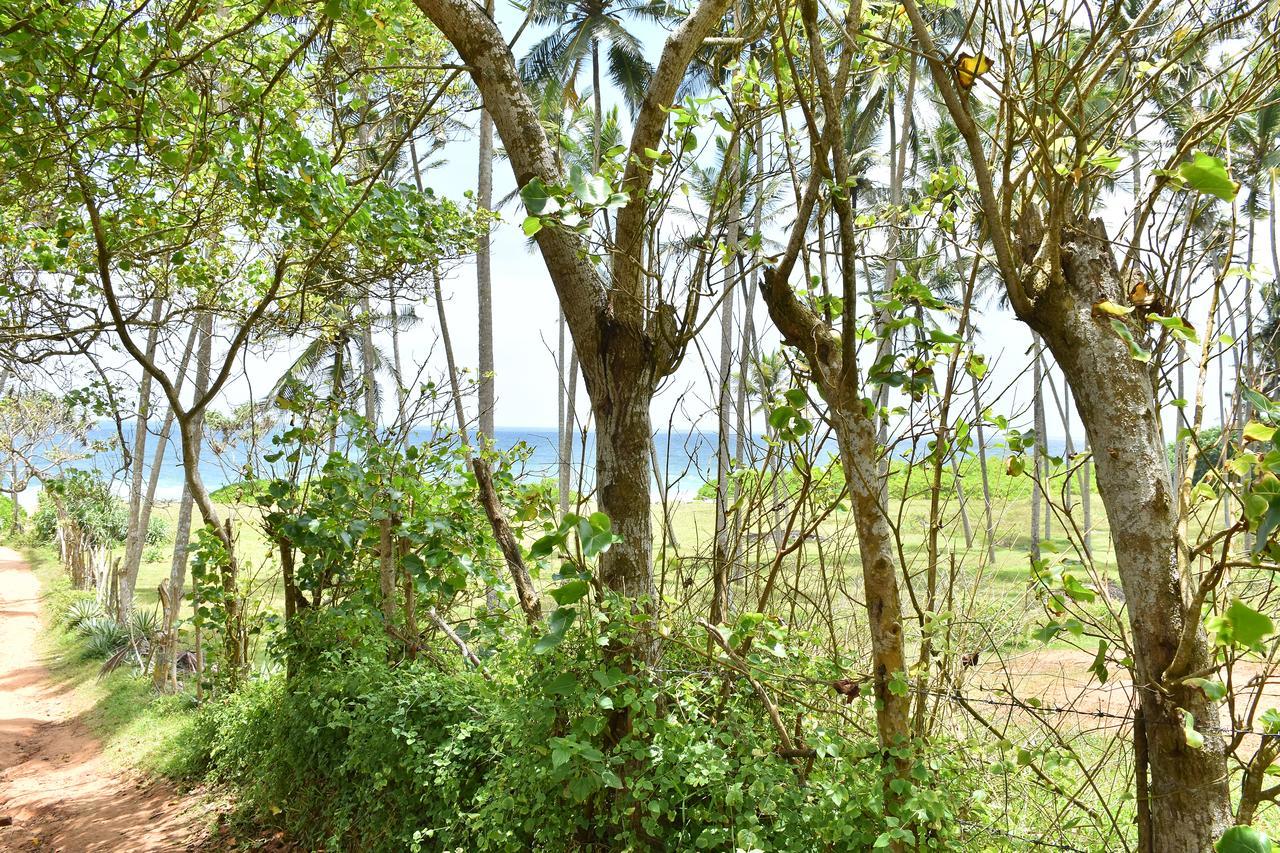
(686, 459)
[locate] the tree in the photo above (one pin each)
(626, 342)
(833, 359)
(40, 435)
(1057, 262)
(555, 64)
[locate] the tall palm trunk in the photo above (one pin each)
(723, 556)
(484, 275)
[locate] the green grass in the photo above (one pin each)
(138, 728)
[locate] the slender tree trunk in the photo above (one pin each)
(16, 509)
(877, 548)
(484, 274)
(164, 673)
(988, 514)
(367, 359)
(133, 559)
(136, 536)
(570, 421)
(1037, 457)
(488, 495)
(723, 556)
(563, 427)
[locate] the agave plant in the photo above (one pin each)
(144, 625)
(80, 611)
(103, 636)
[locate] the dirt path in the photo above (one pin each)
(55, 786)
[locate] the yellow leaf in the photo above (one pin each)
(1106, 306)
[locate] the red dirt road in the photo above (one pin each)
(55, 785)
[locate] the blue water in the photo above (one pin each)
(686, 459)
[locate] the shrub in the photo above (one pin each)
(6, 514)
(157, 531)
(354, 752)
(244, 491)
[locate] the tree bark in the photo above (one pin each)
(1189, 795)
(133, 560)
(164, 672)
(859, 456)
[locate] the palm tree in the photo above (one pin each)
(580, 26)
(344, 359)
(555, 64)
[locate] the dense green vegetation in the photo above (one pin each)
(882, 257)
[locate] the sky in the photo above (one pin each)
(526, 312)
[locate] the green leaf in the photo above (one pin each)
(538, 198)
(532, 225)
(781, 416)
(1207, 174)
(1099, 665)
(1194, 739)
(1076, 590)
(1248, 626)
(1213, 690)
(1243, 839)
(1138, 353)
(547, 643)
(1178, 327)
(570, 592)
(1254, 431)
(589, 189)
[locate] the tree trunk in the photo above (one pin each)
(1039, 479)
(723, 556)
(367, 357)
(855, 435)
(621, 390)
(988, 515)
(16, 509)
(1189, 795)
(136, 536)
(484, 274)
(133, 559)
(164, 672)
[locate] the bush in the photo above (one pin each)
(86, 498)
(6, 514)
(157, 531)
(356, 753)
